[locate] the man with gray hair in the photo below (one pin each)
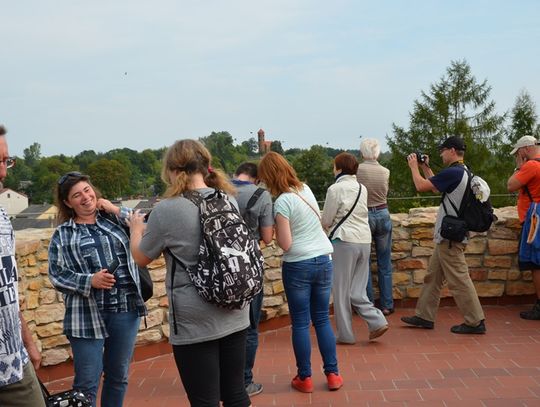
(376, 178)
(526, 179)
(19, 355)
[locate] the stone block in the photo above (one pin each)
(164, 302)
(273, 301)
(154, 318)
(418, 276)
(499, 246)
(498, 261)
(49, 313)
(514, 275)
(31, 271)
(489, 289)
(402, 246)
(47, 330)
(401, 278)
(267, 289)
(476, 246)
(54, 356)
(526, 275)
(166, 330)
(398, 255)
(422, 233)
(519, 288)
(478, 274)
(411, 263)
(35, 284)
(159, 289)
(32, 299)
(158, 275)
(25, 248)
(268, 313)
(277, 287)
(419, 251)
(284, 309)
(54, 341)
(42, 255)
(273, 262)
(473, 261)
(272, 274)
(47, 296)
(149, 336)
(400, 233)
(498, 275)
(498, 232)
(413, 292)
(427, 243)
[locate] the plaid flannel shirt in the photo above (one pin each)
(70, 275)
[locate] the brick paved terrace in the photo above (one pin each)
(405, 367)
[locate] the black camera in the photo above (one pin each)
(421, 158)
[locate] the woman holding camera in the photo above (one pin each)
(90, 263)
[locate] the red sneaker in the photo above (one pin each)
(335, 381)
(304, 386)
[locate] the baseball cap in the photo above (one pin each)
(524, 141)
(453, 142)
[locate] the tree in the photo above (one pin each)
(457, 105)
(250, 147)
(314, 167)
(111, 177)
(224, 153)
(523, 118)
(32, 154)
(276, 147)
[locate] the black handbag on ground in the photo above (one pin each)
(69, 398)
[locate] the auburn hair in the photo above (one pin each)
(347, 163)
(278, 175)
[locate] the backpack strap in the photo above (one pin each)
(460, 211)
(174, 260)
(525, 186)
(343, 219)
(254, 198)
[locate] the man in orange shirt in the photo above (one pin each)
(526, 179)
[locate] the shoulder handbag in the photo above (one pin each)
(343, 219)
(147, 285)
(68, 398)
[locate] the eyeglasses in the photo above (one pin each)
(64, 178)
(9, 162)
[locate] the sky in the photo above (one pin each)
(80, 75)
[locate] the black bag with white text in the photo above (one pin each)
(229, 272)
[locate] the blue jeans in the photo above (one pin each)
(381, 232)
(252, 339)
(110, 356)
(308, 284)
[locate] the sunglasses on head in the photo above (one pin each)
(73, 174)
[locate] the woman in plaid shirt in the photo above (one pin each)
(90, 263)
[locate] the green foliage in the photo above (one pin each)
(277, 147)
(225, 154)
(523, 118)
(111, 177)
(457, 105)
(314, 167)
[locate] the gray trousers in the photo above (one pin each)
(351, 273)
(24, 393)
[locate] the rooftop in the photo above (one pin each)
(405, 367)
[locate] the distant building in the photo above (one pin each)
(35, 217)
(12, 201)
(264, 145)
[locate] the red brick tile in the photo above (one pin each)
(401, 395)
(438, 394)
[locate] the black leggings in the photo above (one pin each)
(214, 370)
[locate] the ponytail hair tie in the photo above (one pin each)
(210, 169)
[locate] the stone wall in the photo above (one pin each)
(492, 259)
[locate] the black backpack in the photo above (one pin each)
(229, 272)
(478, 215)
